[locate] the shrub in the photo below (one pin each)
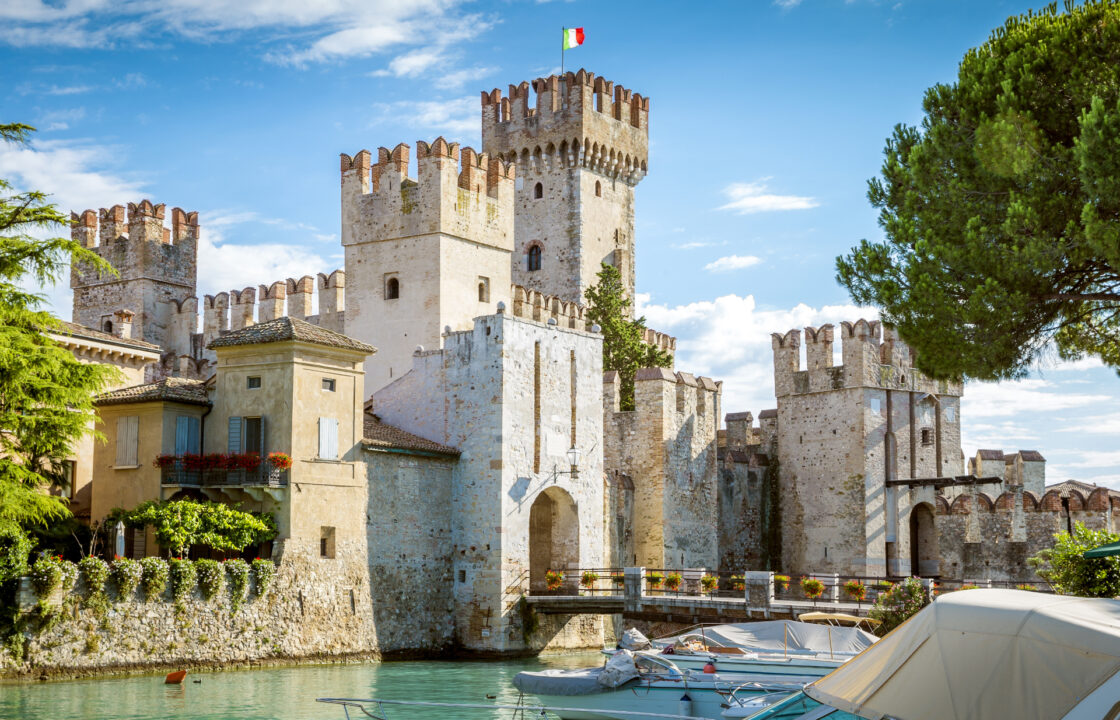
(553, 578)
(856, 590)
(155, 577)
(588, 579)
(69, 577)
(95, 571)
(812, 587)
(709, 582)
(46, 575)
(238, 581)
(211, 577)
(1066, 568)
(183, 577)
(126, 575)
(263, 573)
(15, 547)
(673, 581)
(898, 604)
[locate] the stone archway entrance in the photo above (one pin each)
(553, 536)
(924, 555)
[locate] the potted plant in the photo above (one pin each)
(553, 578)
(618, 581)
(781, 583)
(738, 583)
(588, 579)
(856, 590)
(164, 461)
(280, 461)
(654, 579)
(968, 586)
(709, 582)
(673, 581)
(812, 587)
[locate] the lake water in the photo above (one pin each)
(283, 692)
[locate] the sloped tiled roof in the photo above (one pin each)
(1084, 488)
(1031, 456)
(172, 389)
(285, 329)
(990, 454)
(772, 413)
(81, 331)
(382, 435)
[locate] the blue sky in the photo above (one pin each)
(767, 119)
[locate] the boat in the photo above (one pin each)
(840, 620)
(378, 708)
(651, 684)
(979, 654)
(776, 647)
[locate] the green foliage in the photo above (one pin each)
(182, 524)
(211, 577)
(812, 588)
(1070, 573)
(154, 581)
(95, 571)
(46, 575)
(1002, 211)
(263, 573)
(69, 577)
(15, 547)
(46, 394)
(237, 573)
(898, 604)
(183, 578)
(126, 574)
(624, 351)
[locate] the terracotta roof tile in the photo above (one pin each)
(172, 389)
(768, 414)
(990, 454)
(382, 435)
(285, 329)
(1031, 456)
(81, 331)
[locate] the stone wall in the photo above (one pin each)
(314, 609)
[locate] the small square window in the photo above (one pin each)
(328, 384)
(253, 383)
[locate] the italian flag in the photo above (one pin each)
(573, 37)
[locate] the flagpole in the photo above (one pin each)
(562, 31)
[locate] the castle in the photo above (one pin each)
(453, 433)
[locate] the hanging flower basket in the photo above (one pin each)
(855, 590)
(673, 581)
(738, 583)
(553, 578)
(812, 587)
(709, 583)
(654, 580)
(781, 583)
(588, 579)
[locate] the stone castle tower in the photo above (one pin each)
(155, 267)
(580, 151)
(424, 254)
(843, 432)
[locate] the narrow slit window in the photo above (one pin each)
(534, 258)
(538, 191)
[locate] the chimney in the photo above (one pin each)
(122, 328)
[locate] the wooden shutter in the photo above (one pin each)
(194, 434)
(234, 435)
(182, 435)
(328, 438)
(128, 430)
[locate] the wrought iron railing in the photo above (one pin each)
(263, 476)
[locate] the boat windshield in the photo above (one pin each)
(800, 707)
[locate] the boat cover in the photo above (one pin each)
(619, 670)
(983, 654)
(633, 639)
(787, 636)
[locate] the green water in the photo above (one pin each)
(282, 692)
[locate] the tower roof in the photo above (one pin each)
(172, 389)
(288, 329)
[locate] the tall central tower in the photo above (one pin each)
(580, 149)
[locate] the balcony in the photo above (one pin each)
(262, 477)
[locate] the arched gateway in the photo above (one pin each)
(923, 542)
(553, 535)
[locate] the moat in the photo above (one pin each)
(283, 693)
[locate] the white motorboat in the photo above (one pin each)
(779, 647)
(657, 686)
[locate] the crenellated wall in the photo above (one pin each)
(667, 446)
(580, 149)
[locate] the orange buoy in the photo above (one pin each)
(175, 678)
(709, 667)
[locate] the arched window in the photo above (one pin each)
(598, 189)
(483, 289)
(392, 289)
(535, 258)
(538, 191)
(108, 326)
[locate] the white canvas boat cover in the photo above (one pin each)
(633, 639)
(980, 654)
(779, 636)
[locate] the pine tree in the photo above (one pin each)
(46, 394)
(624, 350)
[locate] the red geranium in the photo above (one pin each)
(279, 460)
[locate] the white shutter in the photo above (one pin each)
(328, 438)
(128, 431)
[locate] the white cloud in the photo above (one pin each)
(732, 262)
(457, 78)
(752, 197)
(728, 339)
(232, 266)
(456, 118)
(64, 170)
(1034, 396)
(695, 244)
(786, 4)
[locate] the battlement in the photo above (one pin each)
(456, 191)
(143, 222)
(873, 356)
(658, 390)
(1051, 501)
(574, 120)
